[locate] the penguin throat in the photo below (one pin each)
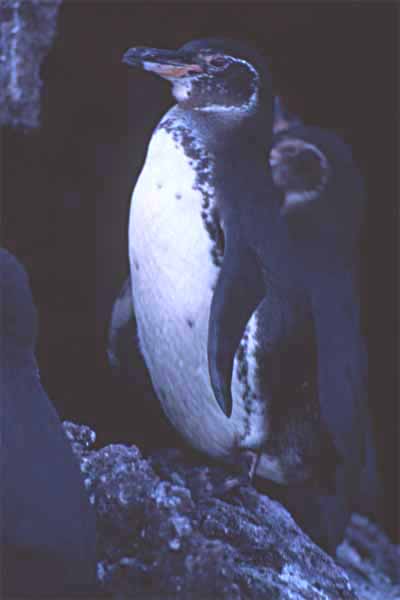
(233, 109)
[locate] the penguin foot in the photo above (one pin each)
(246, 466)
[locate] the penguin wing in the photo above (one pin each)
(238, 292)
(342, 400)
(288, 375)
(341, 362)
(122, 331)
(370, 501)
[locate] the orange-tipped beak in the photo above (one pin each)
(171, 64)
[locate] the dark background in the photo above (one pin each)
(67, 186)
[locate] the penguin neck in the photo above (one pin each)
(221, 128)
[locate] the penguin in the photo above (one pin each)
(222, 308)
(122, 328)
(304, 161)
(48, 530)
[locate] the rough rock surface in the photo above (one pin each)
(164, 534)
(27, 30)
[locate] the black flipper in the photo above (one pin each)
(240, 288)
(371, 497)
(122, 331)
(342, 363)
(342, 389)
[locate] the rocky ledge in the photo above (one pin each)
(162, 533)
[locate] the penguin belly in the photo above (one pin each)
(173, 277)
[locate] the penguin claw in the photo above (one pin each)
(247, 464)
(230, 484)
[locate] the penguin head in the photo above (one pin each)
(322, 190)
(211, 75)
(300, 169)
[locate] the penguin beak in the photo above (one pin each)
(283, 120)
(170, 64)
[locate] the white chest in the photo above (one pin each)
(174, 268)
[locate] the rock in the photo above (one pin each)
(47, 525)
(371, 561)
(27, 30)
(163, 533)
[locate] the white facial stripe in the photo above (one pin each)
(275, 158)
(303, 146)
(293, 199)
(321, 156)
(324, 167)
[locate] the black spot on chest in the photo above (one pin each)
(243, 376)
(201, 161)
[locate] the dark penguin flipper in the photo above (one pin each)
(322, 516)
(239, 290)
(342, 363)
(342, 386)
(122, 331)
(325, 516)
(342, 391)
(371, 498)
